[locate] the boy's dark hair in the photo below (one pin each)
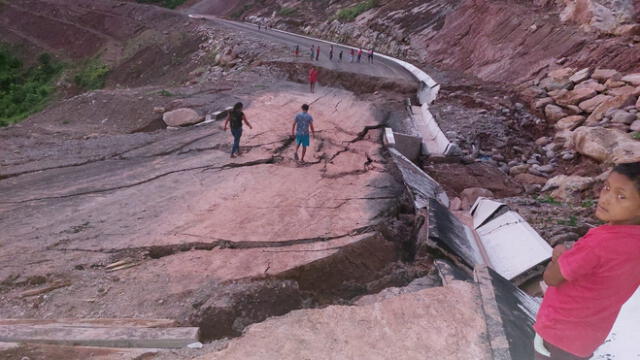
(237, 106)
(305, 107)
(630, 170)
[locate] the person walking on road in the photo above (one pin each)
(331, 53)
(353, 52)
(235, 119)
(371, 56)
(313, 50)
(340, 56)
(313, 79)
(359, 55)
(297, 50)
(318, 53)
(300, 129)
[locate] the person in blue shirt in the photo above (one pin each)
(300, 129)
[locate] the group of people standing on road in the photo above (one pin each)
(355, 55)
(302, 123)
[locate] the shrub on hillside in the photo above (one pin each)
(287, 11)
(350, 13)
(171, 4)
(24, 91)
(92, 75)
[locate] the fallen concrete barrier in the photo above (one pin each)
(100, 334)
(512, 245)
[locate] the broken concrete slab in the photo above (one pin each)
(420, 185)
(102, 336)
(448, 233)
(95, 323)
(62, 352)
(512, 245)
(408, 145)
(510, 315)
(410, 326)
(622, 342)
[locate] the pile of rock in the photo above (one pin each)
(596, 112)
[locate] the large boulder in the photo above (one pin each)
(633, 79)
(530, 179)
(591, 84)
(603, 75)
(593, 103)
(611, 103)
(606, 145)
(599, 16)
(581, 75)
(551, 84)
(623, 117)
(540, 103)
(554, 112)
(569, 122)
(568, 188)
(622, 91)
(470, 195)
(576, 96)
(181, 117)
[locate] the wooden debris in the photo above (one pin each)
(125, 266)
(44, 290)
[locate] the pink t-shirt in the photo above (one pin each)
(602, 271)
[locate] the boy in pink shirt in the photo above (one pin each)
(589, 283)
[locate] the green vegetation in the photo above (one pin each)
(589, 203)
(548, 199)
(572, 221)
(91, 75)
(171, 4)
(25, 91)
(636, 135)
(237, 14)
(287, 11)
(350, 13)
(165, 93)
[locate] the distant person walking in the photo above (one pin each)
(340, 56)
(235, 119)
(313, 79)
(371, 56)
(331, 53)
(359, 55)
(353, 53)
(317, 52)
(259, 27)
(313, 50)
(300, 129)
(297, 50)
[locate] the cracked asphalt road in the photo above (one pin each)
(167, 191)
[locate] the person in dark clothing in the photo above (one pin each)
(340, 56)
(235, 119)
(317, 52)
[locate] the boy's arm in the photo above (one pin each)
(244, 117)
(313, 131)
(226, 122)
(552, 275)
(293, 128)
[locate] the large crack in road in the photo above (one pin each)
(271, 235)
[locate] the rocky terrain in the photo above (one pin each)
(123, 203)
